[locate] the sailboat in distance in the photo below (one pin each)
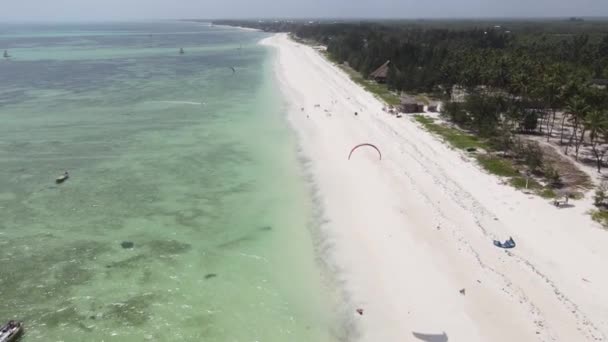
(6, 55)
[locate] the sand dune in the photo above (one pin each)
(407, 233)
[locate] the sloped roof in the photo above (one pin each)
(407, 99)
(382, 71)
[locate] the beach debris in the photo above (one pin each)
(210, 275)
(507, 244)
(471, 149)
(317, 106)
(462, 291)
(365, 144)
(360, 311)
(585, 280)
(302, 109)
(559, 204)
(62, 178)
(127, 244)
(356, 113)
(233, 70)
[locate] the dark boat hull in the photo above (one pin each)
(61, 179)
(11, 333)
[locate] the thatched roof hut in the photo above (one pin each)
(410, 104)
(381, 74)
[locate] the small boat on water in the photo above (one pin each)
(181, 51)
(60, 180)
(6, 55)
(11, 331)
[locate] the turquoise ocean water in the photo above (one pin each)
(191, 162)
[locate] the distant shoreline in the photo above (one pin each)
(238, 27)
(212, 24)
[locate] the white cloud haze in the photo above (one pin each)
(57, 10)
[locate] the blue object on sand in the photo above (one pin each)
(507, 244)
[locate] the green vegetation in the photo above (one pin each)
(549, 193)
(600, 216)
(600, 200)
(497, 166)
(494, 164)
(455, 137)
(519, 182)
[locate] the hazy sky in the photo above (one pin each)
(18, 10)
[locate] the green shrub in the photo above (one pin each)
(497, 166)
(600, 216)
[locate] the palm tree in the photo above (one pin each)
(520, 84)
(577, 109)
(551, 94)
(596, 122)
(569, 92)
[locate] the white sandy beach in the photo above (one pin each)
(406, 233)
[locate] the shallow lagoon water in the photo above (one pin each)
(191, 163)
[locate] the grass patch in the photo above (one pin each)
(500, 167)
(520, 183)
(600, 216)
(547, 193)
(577, 195)
(493, 164)
(455, 137)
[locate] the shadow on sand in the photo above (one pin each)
(431, 337)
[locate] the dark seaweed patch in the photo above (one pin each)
(131, 312)
(161, 247)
